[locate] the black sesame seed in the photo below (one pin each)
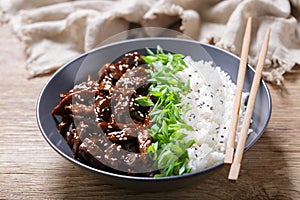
(193, 116)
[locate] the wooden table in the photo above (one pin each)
(31, 169)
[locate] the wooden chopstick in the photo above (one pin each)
(238, 93)
(236, 165)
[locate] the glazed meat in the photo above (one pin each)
(103, 124)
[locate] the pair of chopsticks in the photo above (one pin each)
(231, 157)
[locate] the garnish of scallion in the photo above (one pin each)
(169, 148)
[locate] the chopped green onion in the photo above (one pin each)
(169, 148)
(144, 101)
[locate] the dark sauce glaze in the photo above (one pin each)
(102, 123)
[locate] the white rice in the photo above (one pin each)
(210, 103)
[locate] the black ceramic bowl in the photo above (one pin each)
(63, 80)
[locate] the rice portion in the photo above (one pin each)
(210, 103)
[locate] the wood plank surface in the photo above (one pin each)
(31, 169)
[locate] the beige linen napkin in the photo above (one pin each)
(56, 31)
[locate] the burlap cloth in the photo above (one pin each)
(56, 31)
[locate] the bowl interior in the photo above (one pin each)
(72, 73)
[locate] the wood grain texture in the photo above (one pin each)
(31, 169)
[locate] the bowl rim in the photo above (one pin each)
(138, 178)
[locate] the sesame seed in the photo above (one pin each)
(119, 148)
